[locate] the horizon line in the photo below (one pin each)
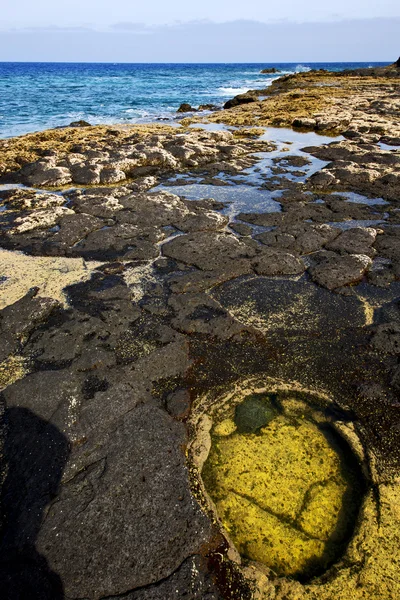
(113, 62)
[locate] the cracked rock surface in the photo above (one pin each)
(124, 301)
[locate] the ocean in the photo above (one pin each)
(38, 96)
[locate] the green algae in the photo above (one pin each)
(255, 412)
(286, 489)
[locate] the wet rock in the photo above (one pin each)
(278, 262)
(254, 413)
(333, 271)
(292, 161)
(208, 107)
(289, 307)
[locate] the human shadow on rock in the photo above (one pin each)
(35, 453)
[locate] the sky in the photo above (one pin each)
(103, 13)
(206, 31)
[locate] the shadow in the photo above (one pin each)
(34, 456)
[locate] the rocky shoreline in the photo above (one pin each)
(147, 274)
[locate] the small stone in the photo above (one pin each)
(254, 413)
(178, 404)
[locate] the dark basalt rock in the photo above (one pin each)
(80, 123)
(208, 250)
(190, 581)
(185, 107)
(270, 70)
(208, 107)
(19, 320)
(34, 454)
(136, 551)
(247, 98)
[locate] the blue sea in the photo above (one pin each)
(38, 96)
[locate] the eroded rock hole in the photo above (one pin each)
(286, 486)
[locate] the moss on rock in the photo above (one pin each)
(281, 486)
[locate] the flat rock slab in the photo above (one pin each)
(126, 521)
(208, 250)
(278, 262)
(334, 271)
(296, 307)
(357, 240)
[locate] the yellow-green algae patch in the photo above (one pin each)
(51, 274)
(12, 369)
(285, 493)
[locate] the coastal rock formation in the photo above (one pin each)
(247, 98)
(323, 101)
(270, 70)
(185, 107)
(111, 155)
(125, 306)
(333, 271)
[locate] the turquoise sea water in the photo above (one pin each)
(37, 96)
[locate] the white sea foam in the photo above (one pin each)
(302, 69)
(228, 91)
